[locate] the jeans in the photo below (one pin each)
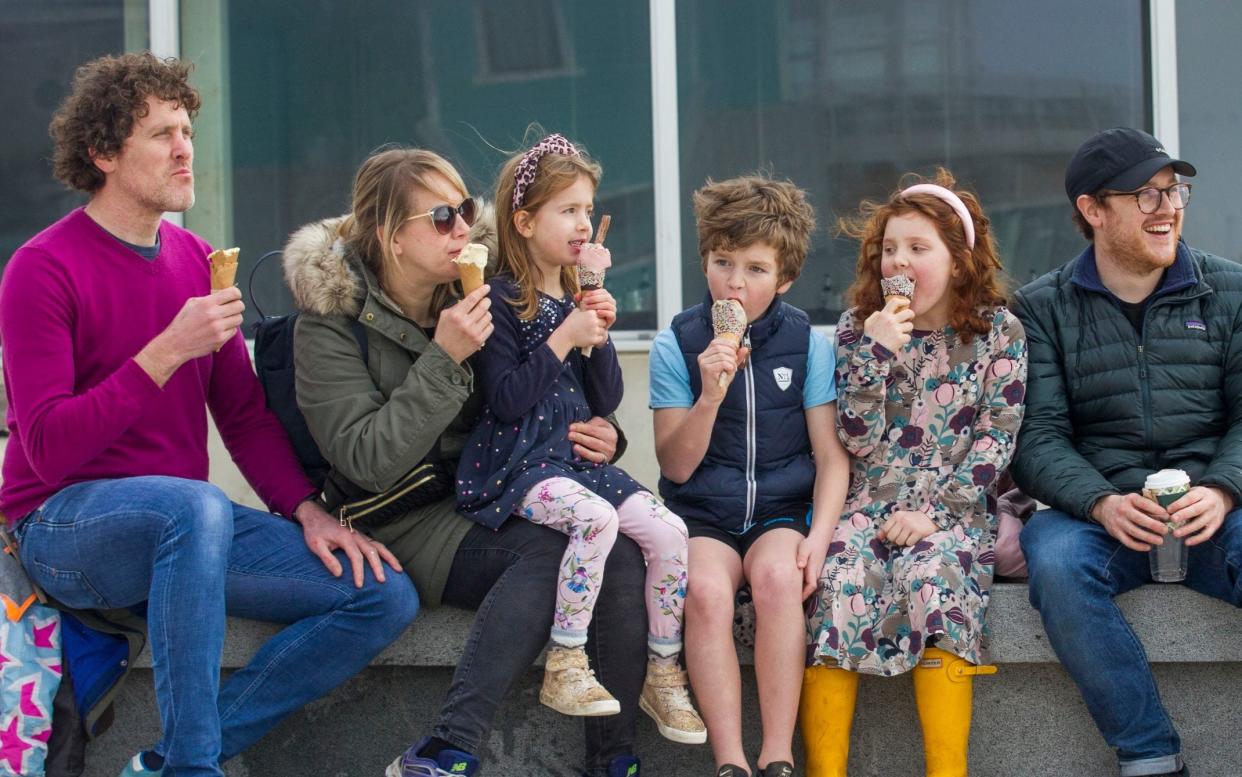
(195, 557)
(510, 577)
(1076, 568)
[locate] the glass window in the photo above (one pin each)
(1207, 84)
(44, 42)
(301, 99)
(844, 97)
(522, 38)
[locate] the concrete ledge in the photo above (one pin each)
(1176, 625)
(1029, 720)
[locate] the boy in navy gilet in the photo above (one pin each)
(749, 458)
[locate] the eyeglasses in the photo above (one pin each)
(1149, 199)
(444, 216)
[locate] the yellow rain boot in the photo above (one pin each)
(826, 712)
(943, 688)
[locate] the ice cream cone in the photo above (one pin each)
(728, 323)
(471, 262)
(593, 263)
(223, 263)
(223, 267)
(471, 278)
(897, 288)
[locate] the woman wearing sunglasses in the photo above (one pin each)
(382, 279)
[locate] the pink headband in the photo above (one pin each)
(524, 176)
(954, 202)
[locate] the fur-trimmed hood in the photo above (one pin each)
(325, 281)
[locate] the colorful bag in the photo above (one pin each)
(30, 668)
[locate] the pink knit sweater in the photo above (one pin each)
(76, 306)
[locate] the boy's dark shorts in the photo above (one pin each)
(743, 542)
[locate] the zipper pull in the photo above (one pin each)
(346, 522)
(746, 344)
(1142, 363)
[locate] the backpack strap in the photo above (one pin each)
(250, 283)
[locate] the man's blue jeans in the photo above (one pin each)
(193, 556)
(1076, 569)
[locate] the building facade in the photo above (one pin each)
(841, 96)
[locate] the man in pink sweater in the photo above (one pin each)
(115, 348)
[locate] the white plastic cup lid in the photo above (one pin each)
(1167, 478)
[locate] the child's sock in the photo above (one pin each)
(662, 661)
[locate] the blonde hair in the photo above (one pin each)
(742, 212)
(382, 202)
(555, 173)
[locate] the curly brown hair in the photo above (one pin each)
(109, 95)
(751, 209)
(977, 284)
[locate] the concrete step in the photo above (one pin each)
(1029, 720)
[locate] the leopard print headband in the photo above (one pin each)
(524, 176)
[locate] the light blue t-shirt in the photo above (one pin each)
(670, 379)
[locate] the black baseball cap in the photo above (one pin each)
(1120, 158)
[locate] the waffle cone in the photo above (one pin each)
(902, 301)
(471, 277)
(223, 267)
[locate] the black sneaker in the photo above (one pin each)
(778, 769)
(1183, 772)
(733, 770)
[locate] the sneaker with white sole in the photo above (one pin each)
(136, 768)
(448, 763)
(666, 698)
(570, 687)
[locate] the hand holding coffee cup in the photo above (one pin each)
(1200, 513)
(1168, 559)
(1132, 519)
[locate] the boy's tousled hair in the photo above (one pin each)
(109, 95)
(977, 282)
(741, 212)
(554, 173)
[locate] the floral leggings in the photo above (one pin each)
(592, 525)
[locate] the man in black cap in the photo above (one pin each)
(1135, 366)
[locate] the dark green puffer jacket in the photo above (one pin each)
(1105, 406)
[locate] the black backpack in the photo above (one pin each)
(273, 361)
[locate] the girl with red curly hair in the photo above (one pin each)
(931, 369)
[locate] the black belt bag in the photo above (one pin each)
(426, 484)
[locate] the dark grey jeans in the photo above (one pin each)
(509, 576)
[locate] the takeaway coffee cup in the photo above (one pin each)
(1168, 560)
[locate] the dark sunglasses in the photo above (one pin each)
(443, 216)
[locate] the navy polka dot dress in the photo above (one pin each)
(532, 397)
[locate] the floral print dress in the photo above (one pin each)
(929, 429)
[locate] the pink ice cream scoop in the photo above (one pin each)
(593, 261)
